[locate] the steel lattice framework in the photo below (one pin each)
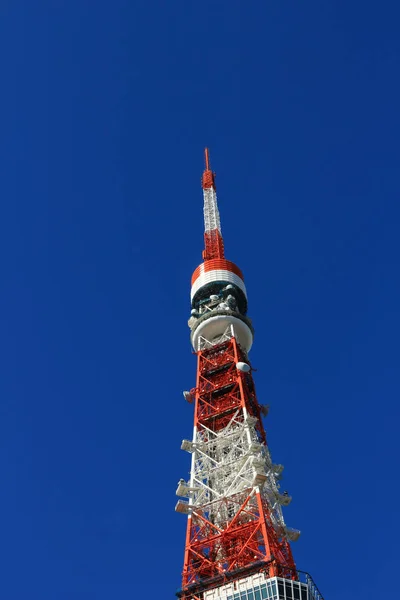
(213, 242)
(233, 501)
(234, 507)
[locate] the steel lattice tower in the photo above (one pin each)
(237, 542)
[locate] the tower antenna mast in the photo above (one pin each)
(213, 242)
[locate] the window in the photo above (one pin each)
(289, 593)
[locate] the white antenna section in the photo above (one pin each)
(211, 212)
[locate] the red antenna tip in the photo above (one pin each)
(207, 157)
(208, 176)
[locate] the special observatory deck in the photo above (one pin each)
(259, 586)
(274, 589)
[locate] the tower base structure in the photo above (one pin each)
(259, 585)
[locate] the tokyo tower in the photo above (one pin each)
(237, 543)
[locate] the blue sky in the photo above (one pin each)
(105, 110)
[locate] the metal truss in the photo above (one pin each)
(213, 241)
(237, 542)
(211, 212)
(231, 460)
(225, 337)
(234, 503)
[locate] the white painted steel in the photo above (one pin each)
(211, 213)
(214, 327)
(227, 466)
(217, 275)
(225, 337)
(192, 465)
(230, 464)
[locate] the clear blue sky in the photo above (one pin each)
(105, 110)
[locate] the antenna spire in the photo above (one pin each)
(214, 244)
(207, 157)
(208, 180)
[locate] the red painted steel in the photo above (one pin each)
(213, 245)
(216, 264)
(213, 242)
(248, 536)
(208, 179)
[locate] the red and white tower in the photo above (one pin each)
(237, 542)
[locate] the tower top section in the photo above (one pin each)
(213, 242)
(218, 293)
(208, 180)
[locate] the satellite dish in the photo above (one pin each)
(292, 534)
(242, 366)
(188, 396)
